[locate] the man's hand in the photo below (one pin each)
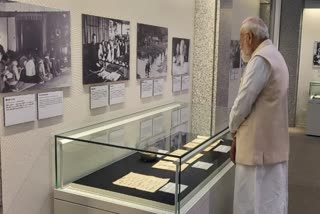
(233, 148)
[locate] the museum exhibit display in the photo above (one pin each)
(35, 50)
(106, 49)
(313, 114)
(147, 167)
(180, 56)
(152, 51)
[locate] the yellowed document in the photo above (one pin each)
(212, 146)
(191, 145)
(168, 165)
(141, 182)
(178, 152)
(198, 141)
(203, 137)
(196, 157)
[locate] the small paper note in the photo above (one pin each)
(168, 165)
(163, 152)
(203, 137)
(196, 157)
(223, 149)
(198, 141)
(171, 188)
(209, 148)
(178, 152)
(191, 145)
(202, 165)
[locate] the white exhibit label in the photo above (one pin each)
(171, 188)
(184, 115)
(19, 109)
(157, 125)
(185, 85)
(202, 165)
(146, 88)
(50, 104)
(145, 129)
(184, 127)
(223, 149)
(175, 118)
(117, 92)
(99, 96)
(176, 83)
(158, 87)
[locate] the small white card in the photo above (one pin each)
(146, 88)
(176, 83)
(50, 104)
(145, 129)
(163, 152)
(223, 149)
(185, 82)
(117, 93)
(175, 118)
(19, 109)
(99, 96)
(184, 115)
(202, 165)
(171, 188)
(158, 87)
(157, 125)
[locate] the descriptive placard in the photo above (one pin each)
(158, 87)
(19, 109)
(175, 118)
(146, 88)
(50, 104)
(184, 115)
(185, 82)
(176, 83)
(117, 93)
(99, 96)
(158, 125)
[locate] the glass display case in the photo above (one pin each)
(149, 159)
(314, 90)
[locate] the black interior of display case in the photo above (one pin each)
(192, 177)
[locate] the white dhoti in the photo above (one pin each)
(261, 189)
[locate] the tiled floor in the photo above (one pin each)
(304, 173)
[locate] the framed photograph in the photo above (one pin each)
(152, 49)
(180, 56)
(35, 50)
(106, 49)
(316, 54)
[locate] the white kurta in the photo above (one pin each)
(258, 189)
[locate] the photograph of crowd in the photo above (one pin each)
(106, 49)
(35, 48)
(180, 56)
(316, 55)
(152, 51)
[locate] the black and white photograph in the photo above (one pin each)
(106, 49)
(235, 53)
(152, 51)
(180, 56)
(35, 50)
(316, 54)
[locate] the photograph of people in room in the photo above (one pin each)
(106, 49)
(180, 56)
(152, 51)
(316, 55)
(35, 48)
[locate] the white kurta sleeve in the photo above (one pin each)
(254, 80)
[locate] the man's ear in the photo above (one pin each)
(250, 38)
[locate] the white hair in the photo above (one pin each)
(256, 26)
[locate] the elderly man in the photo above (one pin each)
(259, 125)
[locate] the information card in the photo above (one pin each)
(176, 83)
(19, 109)
(117, 92)
(146, 88)
(185, 82)
(157, 125)
(158, 87)
(50, 104)
(145, 129)
(99, 96)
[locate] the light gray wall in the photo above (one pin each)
(289, 46)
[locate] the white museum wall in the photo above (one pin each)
(241, 9)
(310, 34)
(27, 150)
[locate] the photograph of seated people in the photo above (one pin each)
(37, 54)
(106, 50)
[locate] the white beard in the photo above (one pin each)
(245, 57)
